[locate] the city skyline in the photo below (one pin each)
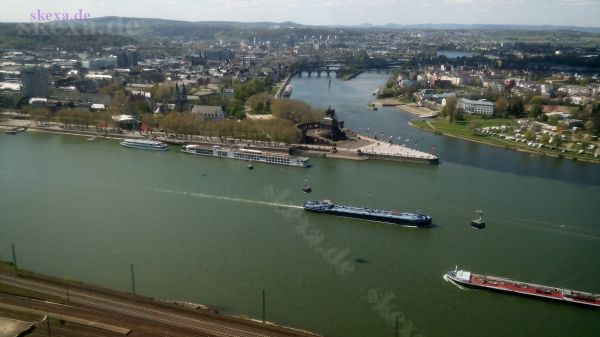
(582, 13)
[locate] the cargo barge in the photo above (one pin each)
(472, 280)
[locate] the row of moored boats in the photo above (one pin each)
(240, 153)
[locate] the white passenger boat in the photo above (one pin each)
(146, 144)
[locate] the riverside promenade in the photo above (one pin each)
(361, 148)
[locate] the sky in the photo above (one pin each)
(327, 12)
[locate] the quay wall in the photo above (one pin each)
(285, 83)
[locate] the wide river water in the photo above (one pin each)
(210, 231)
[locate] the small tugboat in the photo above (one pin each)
(478, 223)
(250, 166)
(306, 188)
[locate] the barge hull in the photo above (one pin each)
(523, 288)
(375, 218)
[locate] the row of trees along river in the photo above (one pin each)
(280, 128)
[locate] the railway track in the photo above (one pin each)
(209, 325)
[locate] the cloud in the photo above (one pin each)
(578, 3)
(489, 2)
(566, 12)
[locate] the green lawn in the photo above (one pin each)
(405, 99)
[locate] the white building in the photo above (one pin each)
(98, 76)
(98, 107)
(481, 107)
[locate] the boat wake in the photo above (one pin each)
(447, 279)
(220, 197)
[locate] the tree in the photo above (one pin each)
(556, 140)
(139, 106)
(538, 100)
(118, 103)
(312, 116)
(590, 126)
(104, 120)
(529, 135)
(451, 108)
(260, 103)
(150, 121)
(290, 109)
(517, 108)
(40, 115)
(502, 106)
(386, 92)
(244, 90)
(535, 111)
(111, 88)
(236, 109)
(161, 92)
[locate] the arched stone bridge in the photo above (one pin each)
(319, 68)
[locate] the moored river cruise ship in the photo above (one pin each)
(247, 154)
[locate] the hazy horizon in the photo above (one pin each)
(578, 13)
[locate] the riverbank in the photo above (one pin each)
(429, 127)
(371, 149)
(92, 310)
(387, 102)
(420, 111)
(122, 134)
(281, 85)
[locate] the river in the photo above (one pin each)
(211, 231)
